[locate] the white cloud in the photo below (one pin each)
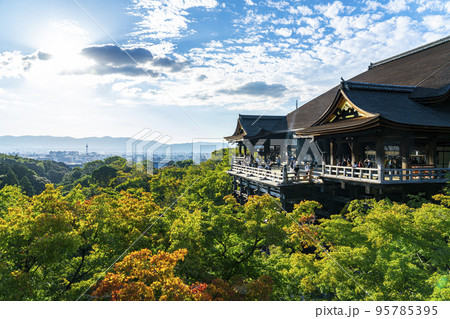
(313, 22)
(165, 19)
(280, 5)
(330, 10)
(69, 26)
(305, 31)
(437, 23)
(395, 6)
(254, 18)
(282, 21)
(284, 32)
(303, 10)
(214, 44)
(343, 24)
(16, 64)
(12, 65)
(249, 2)
(433, 5)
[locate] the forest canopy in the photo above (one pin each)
(109, 231)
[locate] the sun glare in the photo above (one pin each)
(64, 40)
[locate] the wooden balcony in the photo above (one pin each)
(273, 176)
(386, 176)
(342, 173)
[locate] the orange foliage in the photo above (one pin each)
(143, 276)
(240, 289)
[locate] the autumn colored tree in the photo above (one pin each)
(144, 276)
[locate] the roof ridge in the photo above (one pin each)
(261, 116)
(377, 87)
(410, 52)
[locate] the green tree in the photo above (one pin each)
(88, 168)
(10, 178)
(26, 186)
(103, 175)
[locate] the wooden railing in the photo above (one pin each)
(370, 175)
(272, 175)
(357, 174)
(416, 175)
(258, 172)
(387, 176)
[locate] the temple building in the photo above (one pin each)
(382, 133)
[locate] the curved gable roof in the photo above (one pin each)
(394, 104)
(380, 103)
(254, 125)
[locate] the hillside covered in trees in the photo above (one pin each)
(109, 231)
(31, 175)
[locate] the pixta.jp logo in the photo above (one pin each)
(148, 149)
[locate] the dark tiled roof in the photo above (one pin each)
(340, 126)
(425, 67)
(394, 104)
(256, 125)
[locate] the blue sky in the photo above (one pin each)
(186, 68)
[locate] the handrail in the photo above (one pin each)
(274, 175)
(344, 173)
(416, 175)
(352, 173)
(388, 175)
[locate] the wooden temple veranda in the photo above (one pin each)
(383, 133)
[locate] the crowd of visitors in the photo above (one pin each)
(293, 165)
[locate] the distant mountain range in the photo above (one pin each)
(101, 145)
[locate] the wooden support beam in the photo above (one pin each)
(379, 152)
(332, 152)
(404, 153)
(355, 152)
(431, 151)
(266, 149)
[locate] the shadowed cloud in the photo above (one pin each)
(107, 69)
(258, 88)
(173, 65)
(112, 54)
(112, 59)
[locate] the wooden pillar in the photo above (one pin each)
(240, 148)
(283, 200)
(404, 152)
(284, 172)
(355, 152)
(379, 152)
(431, 151)
(379, 156)
(332, 152)
(245, 150)
(266, 149)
